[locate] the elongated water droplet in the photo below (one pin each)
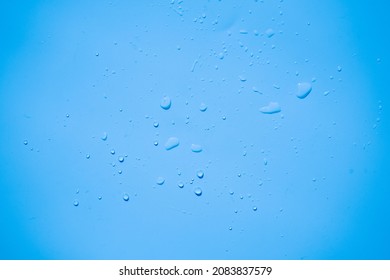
(171, 143)
(303, 89)
(271, 108)
(166, 102)
(196, 148)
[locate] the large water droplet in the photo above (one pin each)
(171, 143)
(198, 191)
(166, 103)
(269, 32)
(303, 89)
(196, 148)
(160, 181)
(200, 174)
(271, 108)
(203, 107)
(126, 197)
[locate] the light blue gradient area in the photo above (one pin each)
(317, 172)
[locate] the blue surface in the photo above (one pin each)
(78, 80)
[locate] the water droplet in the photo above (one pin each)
(269, 32)
(271, 108)
(196, 148)
(121, 159)
(230, 228)
(198, 191)
(99, 197)
(25, 142)
(165, 103)
(180, 185)
(171, 143)
(155, 143)
(156, 124)
(242, 78)
(87, 156)
(76, 203)
(203, 107)
(200, 174)
(126, 197)
(104, 136)
(160, 181)
(120, 171)
(254, 208)
(303, 89)
(339, 68)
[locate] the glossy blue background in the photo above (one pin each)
(318, 171)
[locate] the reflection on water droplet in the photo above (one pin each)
(196, 148)
(76, 203)
(198, 191)
(126, 197)
(200, 174)
(166, 103)
(303, 89)
(171, 143)
(271, 108)
(160, 181)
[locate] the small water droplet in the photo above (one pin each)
(180, 185)
(112, 152)
(160, 181)
(203, 107)
(155, 143)
(198, 191)
(156, 124)
(87, 156)
(171, 143)
(120, 171)
(271, 108)
(200, 174)
(104, 136)
(121, 159)
(166, 102)
(126, 197)
(339, 68)
(25, 142)
(76, 203)
(230, 228)
(254, 208)
(99, 197)
(242, 78)
(304, 89)
(196, 148)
